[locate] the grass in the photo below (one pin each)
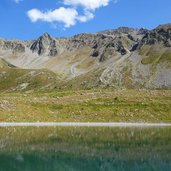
(153, 55)
(88, 106)
(12, 78)
(166, 57)
(5, 64)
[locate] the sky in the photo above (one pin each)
(28, 19)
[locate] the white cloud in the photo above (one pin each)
(87, 4)
(86, 17)
(68, 16)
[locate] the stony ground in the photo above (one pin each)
(87, 106)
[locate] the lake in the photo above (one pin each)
(85, 149)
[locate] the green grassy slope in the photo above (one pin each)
(15, 79)
(155, 55)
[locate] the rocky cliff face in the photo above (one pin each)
(124, 57)
(45, 45)
(160, 35)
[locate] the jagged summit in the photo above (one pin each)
(46, 35)
(160, 35)
(44, 45)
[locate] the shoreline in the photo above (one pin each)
(82, 124)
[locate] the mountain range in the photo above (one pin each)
(120, 58)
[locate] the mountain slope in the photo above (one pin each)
(16, 79)
(121, 58)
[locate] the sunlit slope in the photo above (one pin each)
(121, 58)
(16, 79)
(5, 64)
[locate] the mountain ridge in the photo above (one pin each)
(120, 58)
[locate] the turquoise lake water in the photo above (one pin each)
(85, 149)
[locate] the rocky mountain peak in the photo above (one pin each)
(46, 37)
(44, 45)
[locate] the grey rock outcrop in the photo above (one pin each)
(14, 46)
(160, 35)
(99, 43)
(44, 45)
(102, 44)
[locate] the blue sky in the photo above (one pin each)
(28, 19)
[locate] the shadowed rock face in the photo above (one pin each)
(124, 57)
(160, 35)
(98, 42)
(44, 45)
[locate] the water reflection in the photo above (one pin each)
(85, 149)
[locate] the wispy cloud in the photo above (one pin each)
(69, 14)
(87, 4)
(17, 1)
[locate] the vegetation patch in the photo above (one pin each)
(89, 106)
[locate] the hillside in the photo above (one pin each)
(14, 79)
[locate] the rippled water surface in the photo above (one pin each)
(85, 149)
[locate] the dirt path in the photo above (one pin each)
(81, 124)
